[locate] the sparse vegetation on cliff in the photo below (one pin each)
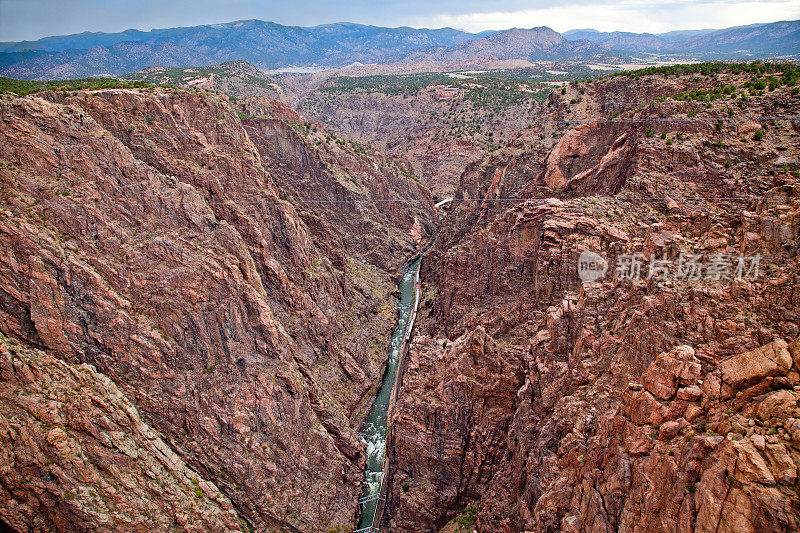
(25, 87)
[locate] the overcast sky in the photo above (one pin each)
(32, 19)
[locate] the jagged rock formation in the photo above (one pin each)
(77, 456)
(536, 402)
(148, 234)
(230, 283)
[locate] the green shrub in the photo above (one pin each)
(25, 87)
(467, 517)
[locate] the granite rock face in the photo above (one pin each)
(77, 456)
(154, 236)
(636, 403)
(211, 296)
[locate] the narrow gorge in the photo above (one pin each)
(374, 428)
(234, 279)
(217, 315)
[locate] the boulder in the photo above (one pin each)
(794, 351)
(778, 404)
(781, 464)
(691, 393)
(646, 409)
(671, 369)
(669, 430)
(747, 368)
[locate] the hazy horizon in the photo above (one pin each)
(31, 20)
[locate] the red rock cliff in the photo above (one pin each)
(152, 235)
(535, 402)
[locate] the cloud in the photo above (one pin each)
(630, 15)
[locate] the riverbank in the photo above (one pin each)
(374, 430)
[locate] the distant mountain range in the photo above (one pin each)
(534, 44)
(264, 44)
(268, 45)
(777, 38)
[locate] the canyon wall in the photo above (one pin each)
(534, 401)
(233, 280)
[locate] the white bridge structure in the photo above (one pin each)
(442, 202)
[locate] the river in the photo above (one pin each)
(373, 431)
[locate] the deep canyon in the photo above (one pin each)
(196, 307)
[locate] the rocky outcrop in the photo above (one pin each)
(146, 233)
(644, 402)
(448, 449)
(76, 456)
(601, 149)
